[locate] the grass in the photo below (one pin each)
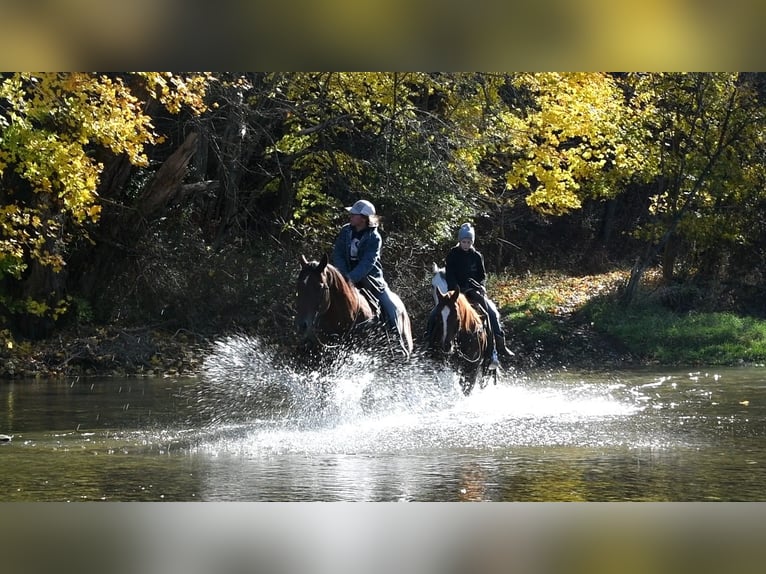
(657, 334)
(552, 310)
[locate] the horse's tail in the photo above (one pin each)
(405, 335)
(403, 325)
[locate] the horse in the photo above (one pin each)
(463, 337)
(329, 306)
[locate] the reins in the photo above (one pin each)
(476, 333)
(478, 349)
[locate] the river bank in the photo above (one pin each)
(552, 320)
(111, 351)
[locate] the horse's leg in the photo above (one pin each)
(487, 369)
(468, 379)
(405, 335)
(466, 384)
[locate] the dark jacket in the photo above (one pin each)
(462, 266)
(367, 265)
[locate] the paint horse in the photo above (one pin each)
(462, 334)
(330, 307)
(463, 337)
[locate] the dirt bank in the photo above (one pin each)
(111, 351)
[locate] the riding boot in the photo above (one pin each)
(502, 350)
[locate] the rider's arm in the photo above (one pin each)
(481, 274)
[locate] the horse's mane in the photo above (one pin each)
(336, 279)
(469, 318)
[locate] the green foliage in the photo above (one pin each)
(84, 313)
(578, 137)
(11, 264)
(380, 136)
(533, 317)
(655, 333)
(708, 135)
(284, 152)
(53, 126)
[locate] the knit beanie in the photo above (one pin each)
(466, 232)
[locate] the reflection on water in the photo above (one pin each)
(254, 428)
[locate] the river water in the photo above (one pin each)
(254, 429)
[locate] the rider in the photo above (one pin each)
(356, 254)
(465, 269)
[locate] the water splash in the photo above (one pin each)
(260, 405)
(243, 376)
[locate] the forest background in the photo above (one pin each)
(145, 214)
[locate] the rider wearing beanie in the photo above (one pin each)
(465, 269)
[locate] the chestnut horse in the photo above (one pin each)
(329, 306)
(462, 337)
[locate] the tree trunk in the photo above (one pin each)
(643, 263)
(166, 183)
(122, 226)
(669, 256)
(43, 285)
(230, 149)
(608, 221)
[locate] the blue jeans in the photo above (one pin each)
(389, 302)
(494, 317)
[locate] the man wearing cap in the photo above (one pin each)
(356, 254)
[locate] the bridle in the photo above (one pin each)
(455, 335)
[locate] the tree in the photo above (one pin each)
(396, 138)
(579, 137)
(708, 135)
(56, 131)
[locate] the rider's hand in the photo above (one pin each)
(478, 287)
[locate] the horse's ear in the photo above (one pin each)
(440, 294)
(304, 261)
(323, 262)
(455, 294)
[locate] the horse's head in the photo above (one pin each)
(438, 282)
(448, 318)
(327, 303)
(313, 297)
